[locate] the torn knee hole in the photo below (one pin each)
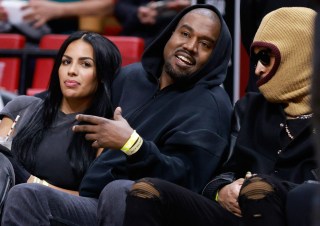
(144, 190)
(256, 188)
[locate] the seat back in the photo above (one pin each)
(131, 49)
(43, 67)
(11, 71)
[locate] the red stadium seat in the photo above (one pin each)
(11, 73)
(43, 67)
(131, 48)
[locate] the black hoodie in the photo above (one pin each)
(185, 126)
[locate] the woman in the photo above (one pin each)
(44, 148)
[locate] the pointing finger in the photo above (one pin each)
(90, 119)
(84, 128)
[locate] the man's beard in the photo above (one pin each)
(176, 76)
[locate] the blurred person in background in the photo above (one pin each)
(146, 18)
(57, 17)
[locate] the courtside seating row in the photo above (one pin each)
(131, 49)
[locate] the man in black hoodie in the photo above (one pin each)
(173, 122)
(274, 141)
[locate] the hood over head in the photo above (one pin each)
(288, 33)
(213, 73)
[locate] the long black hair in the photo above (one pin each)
(107, 61)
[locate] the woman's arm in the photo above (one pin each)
(5, 126)
(33, 179)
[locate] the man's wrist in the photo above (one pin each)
(130, 142)
(213, 187)
(133, 144)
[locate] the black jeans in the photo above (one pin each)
(303, 205)
(175, 206)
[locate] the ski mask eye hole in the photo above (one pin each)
(263, 56)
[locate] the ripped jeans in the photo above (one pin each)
(155, 202)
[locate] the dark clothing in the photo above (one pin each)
(39, 201)
(7, 179)
(251, 14)
(316, 82)
(20, 174)
(185, 126)
(303, 205)
(185, 129)
(262, 122)
(51, 158)
(261, 147)
(112, 203)
(176, 206)
(180, 206)
(269, 208)
(126, 11)
(7, 96)
(316, 109)
(56, 208)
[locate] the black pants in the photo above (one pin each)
(176, 206)
(303, 205)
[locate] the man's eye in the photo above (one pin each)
(185, 34)
(205, 45)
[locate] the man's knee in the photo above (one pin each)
(112, 202)
(115, 188)
(144, 189)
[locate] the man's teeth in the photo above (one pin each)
(184, 59)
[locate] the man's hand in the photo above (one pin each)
(105, 133)
(147, 15)
(42, 11)
(228, 197)
(177, 5)
(3, 14)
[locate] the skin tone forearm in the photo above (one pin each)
(42, 11)
(5, 126)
